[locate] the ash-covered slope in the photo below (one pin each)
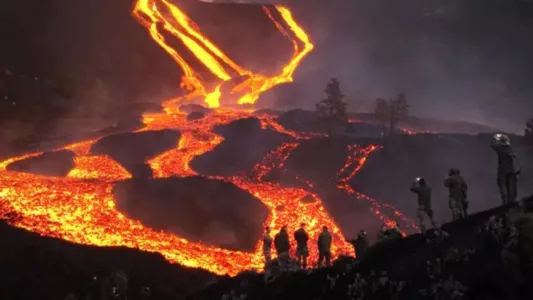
(463, 260)
(197, 208)
(35, 267)
(388, 173)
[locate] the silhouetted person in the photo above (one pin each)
(507, 175)
(267, 246)
(382, 234)
(424, 211)
(360, 244)
(302, 251)
(394, 233)
(324, 247)
(457, 193)
(282, 244)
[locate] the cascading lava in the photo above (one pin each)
(81, 207)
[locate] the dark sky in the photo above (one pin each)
(456, 59)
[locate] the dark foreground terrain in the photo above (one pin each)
(35, 267)
(477, 258)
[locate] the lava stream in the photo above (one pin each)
(162, 14)
(356, 159)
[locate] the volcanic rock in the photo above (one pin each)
(267, 111)
(190, 108)
(245, 144)
(300, 120)
(197, 208)
(55, 163)
(319, 159)
(132, 150)
(308, 199)
(195, 115)
(36, 267)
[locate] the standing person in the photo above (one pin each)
(302, 251)
(394, 232)
(324, 247)
(360, 244)
(457, 189)
(382, 234)
(507, 175)
(267, 246)
(282, 244)
(424, 211)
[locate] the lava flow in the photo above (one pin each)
(157, 14)
(81, 207)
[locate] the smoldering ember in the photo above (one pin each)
(156, 163)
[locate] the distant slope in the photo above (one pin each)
(418, 124)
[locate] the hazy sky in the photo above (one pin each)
(456, 59)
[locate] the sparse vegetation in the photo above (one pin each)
(332, 110)
(390, 112)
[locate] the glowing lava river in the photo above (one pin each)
(80, 207)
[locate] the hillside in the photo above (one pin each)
(463, 261)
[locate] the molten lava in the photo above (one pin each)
(81, 207)
(157, 14)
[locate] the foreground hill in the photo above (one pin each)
(463, 261)
(35, 267)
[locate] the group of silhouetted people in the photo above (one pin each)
(282, 245)
(506, 180)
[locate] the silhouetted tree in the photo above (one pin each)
(390, 112)
(332, 110)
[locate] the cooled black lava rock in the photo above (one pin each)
(133, 149)
(190, 108)
(245, 143)
(55, 163)
(200, 209)
(195, 115)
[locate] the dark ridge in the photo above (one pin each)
(56, 163)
